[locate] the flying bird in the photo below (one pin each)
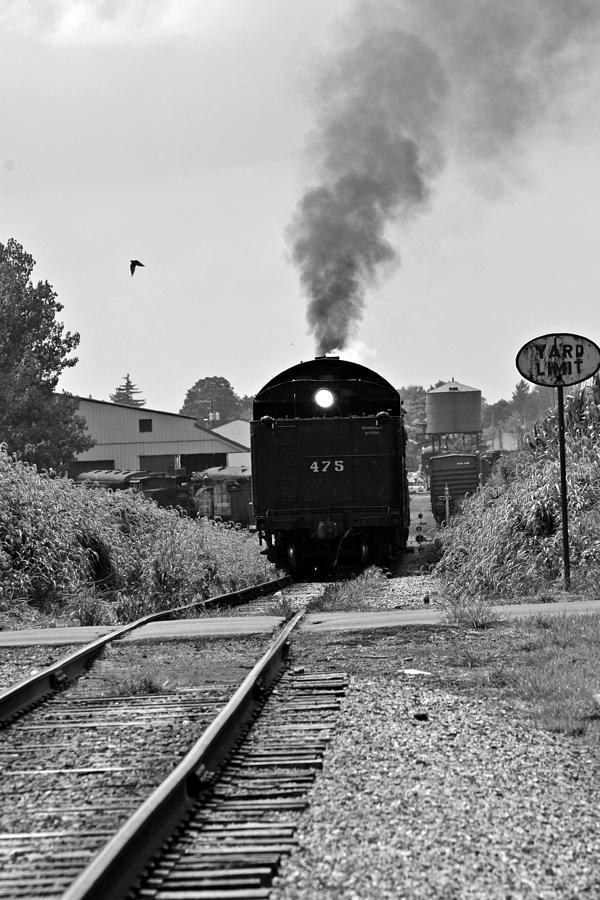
(133, 264)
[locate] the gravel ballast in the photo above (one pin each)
(18, 663)
(436, 784)
(407, 592)
(430, 793)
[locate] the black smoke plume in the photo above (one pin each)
(376, 151)
(424, 80)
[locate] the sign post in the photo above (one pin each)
(563, 488)
(560, 360)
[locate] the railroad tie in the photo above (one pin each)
(234, 840)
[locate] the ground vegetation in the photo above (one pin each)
(70, 553)
(507, 542)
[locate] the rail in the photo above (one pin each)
(118, 866)
(33, 689)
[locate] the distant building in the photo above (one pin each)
(238, 431)
(138, 438)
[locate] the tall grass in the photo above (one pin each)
(109, 555)
(508, 539)
(351, 594)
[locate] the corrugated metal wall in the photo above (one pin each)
(116, 430)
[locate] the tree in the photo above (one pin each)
(210, 396)
(530, 404)
(245, 407)
(413, 401)
(125, 393)
(413, 404)
(496, 413)
(521, 399)
(37, 424)
(542, 400)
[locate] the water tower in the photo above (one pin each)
(455, 409)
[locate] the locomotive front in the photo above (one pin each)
(328, 466)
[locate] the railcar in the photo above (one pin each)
(223, 492)
(166, 490)
(452, 477)
(329, 480)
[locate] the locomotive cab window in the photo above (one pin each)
(145, 425)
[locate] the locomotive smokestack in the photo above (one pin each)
(425, 80)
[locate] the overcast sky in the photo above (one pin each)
(185, 134)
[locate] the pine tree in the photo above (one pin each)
(125, 393)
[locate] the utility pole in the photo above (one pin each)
(213, 416)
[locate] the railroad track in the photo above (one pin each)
(232, 841)
(81, 765)
(23, 696)
(287, 601)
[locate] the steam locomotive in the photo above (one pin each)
(329, 480)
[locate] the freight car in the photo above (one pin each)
(223, 492)
(452, 477)
(329, 479)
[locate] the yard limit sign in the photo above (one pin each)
(558, 361)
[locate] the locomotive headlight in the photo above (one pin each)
(324, 398)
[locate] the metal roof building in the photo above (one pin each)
(132, 437)
(238, 431)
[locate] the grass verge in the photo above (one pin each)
(546, 668)
(558, 671)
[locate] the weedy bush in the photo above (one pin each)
(281, 607)
(90, 609)
(470, 611)
(350, 594)
(562, 675)
(85, 549)
(507, 540)
(135, 682)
